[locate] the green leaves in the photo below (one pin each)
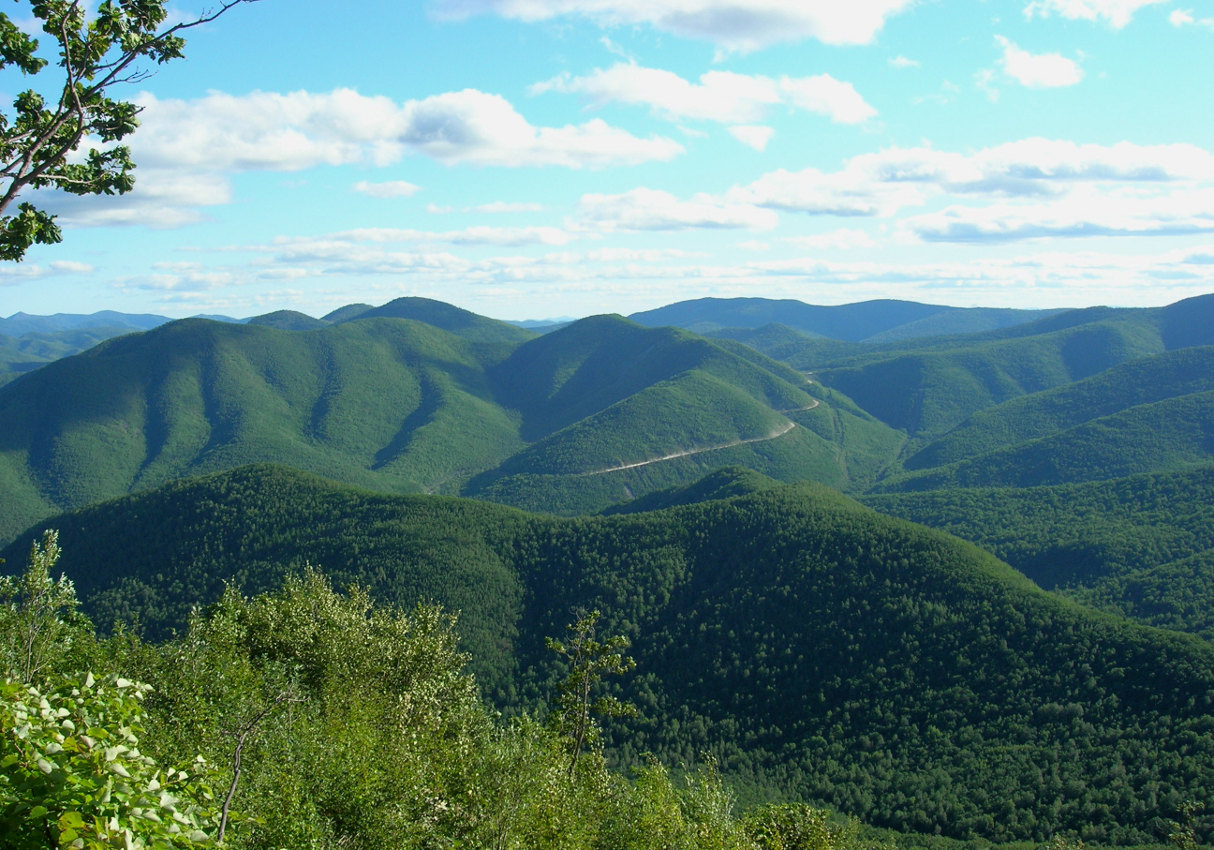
(589, 660)
(97, 789)
(17, 48)
(94, 54)
(31, 226)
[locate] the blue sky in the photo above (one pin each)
(559, 158)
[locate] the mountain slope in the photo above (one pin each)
(929, 393)
(590, 415)
(1172, 434)
(871, 321)
(438, 314)
(392, 403)
(813, 646)
(1142, 381)
(1139, 545)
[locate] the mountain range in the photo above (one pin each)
(734, 483)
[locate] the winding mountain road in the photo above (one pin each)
(779, 432)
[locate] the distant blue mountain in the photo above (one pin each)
(867, 321)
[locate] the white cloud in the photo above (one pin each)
(162, 199)
(1084, 213)
(752, 135)
(508, 207)
(741, 25)
(187, 149)
(1037, 70)
(903, 62)
(485, 129)
(825, 95)
(842, 239)
(1115, 13)
(651, 209)
(12, 274)
(720, 96)
(268, 131)
(1028, 189)
(1037, 160)
(846, 193)
(479, 235)
(289, 132)
(880, 184)
(387, 189)
(1184, 17)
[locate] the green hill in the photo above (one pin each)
(814, 647)
(587, 416)
(723, 483)
(1143, 381)
(926, 386)
(1139, 545)
(288, 320)
(929, 393)
(34, 350)
(393, 404)
(440, 315)
(871, 321)
(1172, 434)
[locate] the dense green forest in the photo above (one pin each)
(305, 718)
(419, 397)
(817, 650)
(1138, 545)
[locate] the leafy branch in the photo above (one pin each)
(39, 141)
(589, 660)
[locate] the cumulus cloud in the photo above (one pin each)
(752, 135)
(850, 192)
(1115, 13)
(652, 209)
(880, 184)
(842, 239)
(1037, 70)
(188, 149)
(1029, 189)
(1185, 18)
(738, 25)
(162, 199)
(485, 129)
(12, 274)
(268, 131)
(720, 96)
(387, 189)
(1082, 214)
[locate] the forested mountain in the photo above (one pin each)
(592, 414)
(1140, 545)
(867, 321)
(1146, 381)
(813, 646)
(30, 342)
(23, 324)
(926, 387)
